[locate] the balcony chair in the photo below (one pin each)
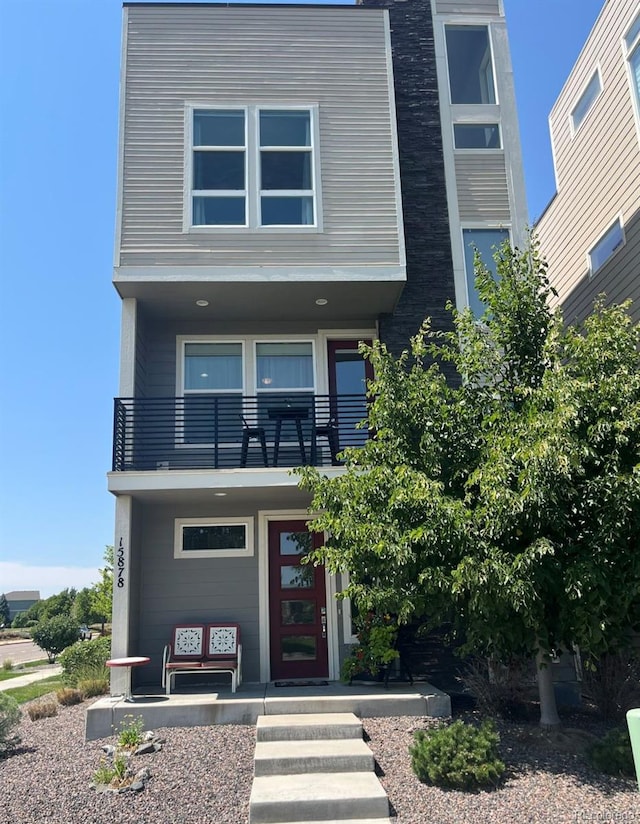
(252, 433)
(328, 430)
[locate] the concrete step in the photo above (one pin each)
(308, 726)
(342, 821)
(311, 756)
(276, 799)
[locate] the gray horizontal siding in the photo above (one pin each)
(173, 591)
(219, 55)
(481, 182)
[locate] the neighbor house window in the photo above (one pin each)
(632, 48)
(470, 64)
(477, 136)
(253, 167)
(213, 537)
(608, 244)
(586, 101)
(487, 242)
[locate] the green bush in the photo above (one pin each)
(10, 716)
(55, 634)
(86, 660)
(20, 621)
(613, 754)
(459, 756)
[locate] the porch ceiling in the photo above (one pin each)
(265, 300)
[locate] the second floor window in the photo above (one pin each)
(253, 167)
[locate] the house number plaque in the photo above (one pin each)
(120, 564)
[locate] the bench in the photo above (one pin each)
(196, 649)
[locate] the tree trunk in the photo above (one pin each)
(548, 709)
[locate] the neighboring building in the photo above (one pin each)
(21, 600)
(292, 180)
(590, 231)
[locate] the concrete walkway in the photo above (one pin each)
(30, 677)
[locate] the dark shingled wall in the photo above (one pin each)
(426, 222)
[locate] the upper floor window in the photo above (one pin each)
(486, 242)
(470, 64)
(632, 48)
(252, 167)
(609, 243)
(477, 136)
(586, 101)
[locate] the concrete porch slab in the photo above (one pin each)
(202, 708)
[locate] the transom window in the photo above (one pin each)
(605, 248)
(477, 136)
(470, 64)
(213, 537)
(586, 101)
(253, 167)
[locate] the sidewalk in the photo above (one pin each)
(30, 677)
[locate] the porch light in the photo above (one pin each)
(321, 302)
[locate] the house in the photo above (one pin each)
(590, 231)
(21, 600)
(292, 180)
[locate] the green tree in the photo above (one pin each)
(509, 502)
(83, 611)
(102, 591)
(59, 604)
(4, 610)
(55, 634)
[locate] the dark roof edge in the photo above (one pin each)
(141, 3)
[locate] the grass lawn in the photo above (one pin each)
(21, 669)
(36, 690)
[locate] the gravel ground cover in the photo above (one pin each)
(203, 775)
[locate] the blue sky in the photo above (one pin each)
(59, 314)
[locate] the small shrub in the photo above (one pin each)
(111, 774)
(613, 754)
(7, 665)
(86, 660)
(611, 681)
(42, 709)
(459, 756)
(130, 735)
(500, 691)
(68, 696)
(10, 716)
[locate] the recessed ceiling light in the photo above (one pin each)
(321, 302)
(202, 303)
(220, 494)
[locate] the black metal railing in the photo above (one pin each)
(225, 431)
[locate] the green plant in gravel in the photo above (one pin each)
(613, 754)
(84, 660)
(130, 734)
(458, 756)
(9, 719)
(93, 685)
(108, 773)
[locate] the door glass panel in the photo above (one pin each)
(296, 577)
(298, 648)
(295, 543)
(298, 612)
(350, 369)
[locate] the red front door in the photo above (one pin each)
(297, 604)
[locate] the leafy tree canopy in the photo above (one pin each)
(508, 501)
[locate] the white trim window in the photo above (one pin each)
(470, 64)
(213, 538)
(487, 241)
(586, 101)
(251, 167)
(632, 52)
(612, 240)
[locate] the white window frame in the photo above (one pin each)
(631, 46)
(252, 169)
(617, 222)
(181, 523)
(594, 74)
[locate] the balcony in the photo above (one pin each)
(233, 431)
